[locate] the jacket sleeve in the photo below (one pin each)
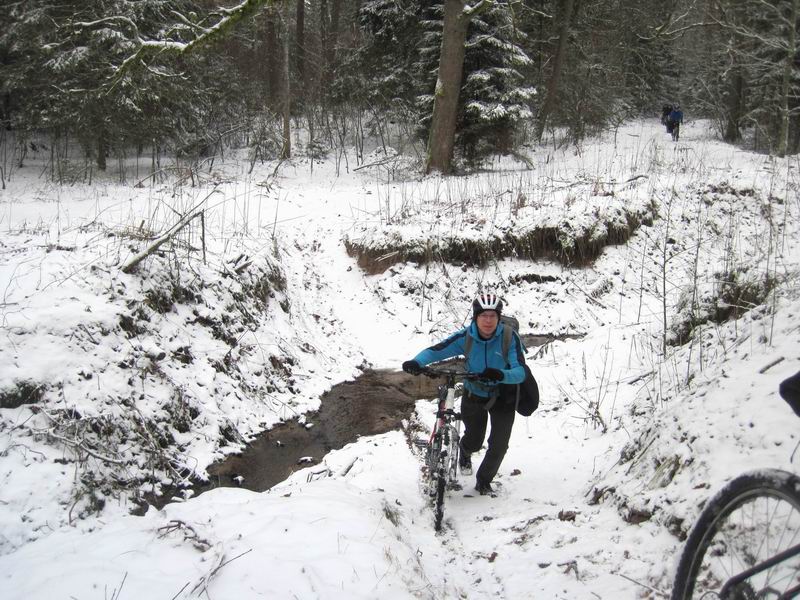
(447, 348)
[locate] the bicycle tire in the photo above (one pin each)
(452, 456)
(753, 518)
(438, 507)
(442, 471)
(432, 464)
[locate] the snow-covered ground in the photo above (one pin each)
(598, 485)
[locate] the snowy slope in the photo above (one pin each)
(597, 486)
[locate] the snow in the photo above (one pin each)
(619, 458)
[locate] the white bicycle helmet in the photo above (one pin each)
(486, 301)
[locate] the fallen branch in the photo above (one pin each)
(778, 360)
(648, 587)
(378, 163)
(189, 534)
(637, 378)
(202, 585)
(180, 590)
(81, 445)
(131, 265)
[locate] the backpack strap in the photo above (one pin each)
(508, 337)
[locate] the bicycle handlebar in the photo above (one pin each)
(434, 372)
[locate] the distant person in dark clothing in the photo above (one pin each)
(665, 110)
(674, 121)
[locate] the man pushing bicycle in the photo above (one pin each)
(481, 343)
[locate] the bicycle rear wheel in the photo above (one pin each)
(753, 518)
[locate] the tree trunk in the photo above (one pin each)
(441, 137)
(558, 63)
(735, 103)
(788, 67)
(102, 150)
(324, 28)
(273, 64)
(300, 40)
(286, 150)
(336, 11)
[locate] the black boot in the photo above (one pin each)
(484, 488)
(464, 460)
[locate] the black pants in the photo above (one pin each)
(475, 416)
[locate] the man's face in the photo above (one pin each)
(487, 323)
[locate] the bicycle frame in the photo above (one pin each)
(445, 435)
(736, 580)
(447, 399)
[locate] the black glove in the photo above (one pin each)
(492, 374)
(412, 367)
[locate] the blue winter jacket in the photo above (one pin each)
(484, 354)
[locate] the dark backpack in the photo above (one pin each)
(524, 396)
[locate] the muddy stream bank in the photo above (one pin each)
(374, 403)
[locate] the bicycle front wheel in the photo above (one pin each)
(438, 507)
(746, 542)
(442, 472)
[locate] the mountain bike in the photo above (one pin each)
(442, 448)
(746, 543)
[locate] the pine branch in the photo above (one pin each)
(148, 50)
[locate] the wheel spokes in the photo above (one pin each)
(757, 529)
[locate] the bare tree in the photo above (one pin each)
(788, 71)
(748, 73)
(300, 42)
(555, 74)
(272, 58)
(286, 96)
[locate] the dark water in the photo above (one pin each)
(376, 402)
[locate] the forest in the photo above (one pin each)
(225, 225)
(451, 82)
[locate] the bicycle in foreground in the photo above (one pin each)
(746, 543)
(442, 448)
